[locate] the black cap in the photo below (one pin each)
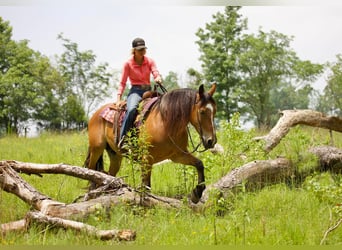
(138, 43)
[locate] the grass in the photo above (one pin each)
(282, 214)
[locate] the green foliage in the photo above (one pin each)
(195, 78)
(328, 190)
(88, 82)
(256, 73)
(136, 155)
(170, 82)
(27, 81)
(270, 75)
(239, 148)
(331, 101)
(219, 44)
(32, 89)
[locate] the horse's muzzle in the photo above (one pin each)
(209, 142)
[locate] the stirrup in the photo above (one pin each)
(121, 142)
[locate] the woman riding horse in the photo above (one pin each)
(165, 131)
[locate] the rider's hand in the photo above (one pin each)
(118, 99)
(158, 80)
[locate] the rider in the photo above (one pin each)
(138, 69)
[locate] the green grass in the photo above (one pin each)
(282, 214)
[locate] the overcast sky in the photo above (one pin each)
(169, 31)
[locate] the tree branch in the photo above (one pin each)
(255, 173)
(330, 229)
(79, 226)
(292, 118)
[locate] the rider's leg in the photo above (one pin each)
(133, 99)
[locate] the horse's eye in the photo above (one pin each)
(202, 111)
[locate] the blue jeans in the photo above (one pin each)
(133, 99)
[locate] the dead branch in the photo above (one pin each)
(330, 158)
(330, 229)
(41, 218)
(256, 173)
(98, 178)
(292, 118)
(79, 226)
(50, 211)
(18, 225)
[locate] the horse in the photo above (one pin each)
(165, 131)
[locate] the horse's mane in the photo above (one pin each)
(175, 108)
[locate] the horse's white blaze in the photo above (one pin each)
(211, 108)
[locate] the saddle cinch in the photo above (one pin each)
(115, 112)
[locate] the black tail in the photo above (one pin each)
(86, 162)
(99, 163)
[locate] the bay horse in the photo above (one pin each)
(165, 130)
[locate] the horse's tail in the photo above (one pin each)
(86, 162)
(99, 163)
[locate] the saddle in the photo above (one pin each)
(115, 112)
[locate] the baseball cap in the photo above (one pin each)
(138, 43)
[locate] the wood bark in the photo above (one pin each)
(290, 118)
(330, 158)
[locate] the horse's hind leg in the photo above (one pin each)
(115, 161)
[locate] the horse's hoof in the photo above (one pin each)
(197, 193)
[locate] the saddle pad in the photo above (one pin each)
(108, 114)
(147, 104)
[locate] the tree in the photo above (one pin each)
(219, 45)
(195, 78)
(268, 66)
(250, 68)
(331, 100)
(90, 83)
(26, 78)
(170, 82)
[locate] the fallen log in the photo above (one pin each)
(98, 178)
(256, 173)
(50, 211)
(43, 219)
(290, 118)
(330, 158)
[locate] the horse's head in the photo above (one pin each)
(202, 117)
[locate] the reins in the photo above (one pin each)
(164, 90)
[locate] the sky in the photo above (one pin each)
(108, 28)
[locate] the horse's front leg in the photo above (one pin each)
(188, 159)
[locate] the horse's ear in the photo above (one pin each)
(212, 89)
(201, 90)
(200, 93)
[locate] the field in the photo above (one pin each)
(294, 212)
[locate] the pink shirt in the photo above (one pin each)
(137, 74)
